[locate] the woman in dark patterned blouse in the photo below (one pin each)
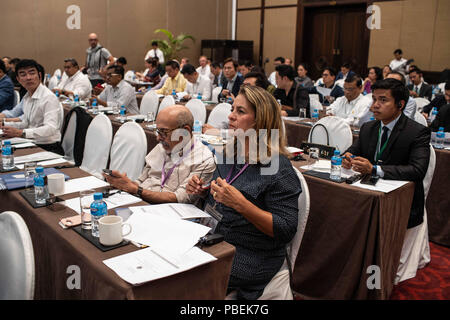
(257, 199)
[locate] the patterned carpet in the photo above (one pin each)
(431, 282)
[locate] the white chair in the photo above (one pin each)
(219, 115)
(128, 150)
(339, 133)
(418, 117)
(166, 101)
(416, 247)
(68, 140)
(442, 86)
(149, 103)
(198, 109)
(215, 94)
(17, 97)
(97, 146)
(129, 75)
(420, 103)
(17, 274)
(314, 103)
(53, 82)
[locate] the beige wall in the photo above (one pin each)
(37, 29)
(419, 28)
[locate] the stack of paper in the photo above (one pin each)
(38, 156)
(91, 182)
(172, 210)
(114, 201)
(382, 185)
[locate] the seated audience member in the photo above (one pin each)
(399, 64)
(7, 95)
(259, 211)
(155, 52)
(244, 67)
(386, 71)
(151, 73)
(12, 75)
(418, 88)
(393, 146)
(175, 80)
(288, 61)
(118, 92)
(216, 70)
(204, 69)
(121, 61)
(353, 105)
(232, 80)
(410, 109)
(172, 163)
(302, 78)
(345, 71)
(42, 112)
(439, 101)
(183, 62)
(197, 84)
(374, 75)
(328, 78)
(276, 62)
(76, 82)
(9, 69)
(292, 96)
(442, 119)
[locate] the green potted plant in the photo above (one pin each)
(173, 45)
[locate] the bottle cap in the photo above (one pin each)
(39, 170)
(440, 129)
(336, 152)
(7, 143)
(98, 196)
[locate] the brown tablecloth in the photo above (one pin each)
(348, 230)
(438, 201)
(56, 249)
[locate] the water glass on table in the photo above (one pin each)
(86, 199)
(314, 155)
(302, 113)
(150, 117)
(29, 170)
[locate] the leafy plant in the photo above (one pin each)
(173, 45)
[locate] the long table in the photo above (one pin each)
(55, 250)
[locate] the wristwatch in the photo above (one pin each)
(374, 170)
(139, 191)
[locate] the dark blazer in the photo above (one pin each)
(406, 156)
(236, 86)
(442, 119)
(426, 91)
(437, 102)
(341, 75)
(297, 98)
(7, 96)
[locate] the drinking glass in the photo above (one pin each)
(314, 155)
(150, 117)
(29, 170)
(302, 113)
(86, 199)
(115, 108)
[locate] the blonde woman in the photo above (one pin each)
(257, 212)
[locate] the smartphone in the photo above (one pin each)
(370, 180)
(109, 172)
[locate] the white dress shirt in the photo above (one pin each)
(42, 116)
(79, 84)
(272, 79)
(398, 65)
(202, 86)
(206, 72)
(390, 127)
(350, 111)
(123, 94)
(155, 53)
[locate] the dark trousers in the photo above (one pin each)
(53, 147)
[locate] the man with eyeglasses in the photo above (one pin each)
(117, 92)
(353, 104)
(98, 59)
(42, 112)
(232, 80)
(328, 78)
(76, 82)
(172, 163)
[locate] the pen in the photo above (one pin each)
(141, 246)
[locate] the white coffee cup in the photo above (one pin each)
(56, 183)
(110, 230)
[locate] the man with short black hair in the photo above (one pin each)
(7, 96)
(76, 82)
(121, 61)
(175, 80)
(410, 109)
(399, 64)
(256, 79)
(118, 92)
(418, 88)
(328, 78)
(155, 52)
(197, 84)
(42, 112)
(216, 70)
(438, 102)
(345, 71)
(232, 81)
(276, 62)
(292, 96)
(98, 59)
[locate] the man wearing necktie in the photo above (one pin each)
(393, 146)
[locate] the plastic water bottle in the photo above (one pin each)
(40, 188)
(197, 130)
(99, 209)
(336, 165)
(440, 137)
(57, 94)
(315, 115)
(199, 96)
(7, 156)
(230, 100)
(94, 106)
(174, 95)
(372, 118)
(433, 115)
(76, 101)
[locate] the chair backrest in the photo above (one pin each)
(198, 109)
(430, 172)
(339, 133)
(442, 86)
(17, 274)
(418, 117)
(68, 140)
(53, 82)
(215, 94)
(57, 73)
(129, 75)
(314, 103)
(166, 101)
(17, 97)
(420, 103)
(149, 103)
(128, 150)
(219, 115)
(97, 145)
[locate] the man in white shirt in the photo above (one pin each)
(155, 52)
(118, 92)
(43, 113)
(272, 77)
(204, 68)
(399, 64)
(353, 104)
(76, 82)
(197, 84)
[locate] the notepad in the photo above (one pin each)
(77, 185)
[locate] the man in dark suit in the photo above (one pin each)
(442, 119)
(418, 88)
(393, 146)
(328, 78)
(345, 72)
(232, 81)
(439, 101)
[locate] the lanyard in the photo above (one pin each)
(165, 176)
(381, 147)
(237, 175)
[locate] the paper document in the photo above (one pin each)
(324, 91)
(19, 140)
(172, 210)
(385, 186)
(294, 150)
(91, 182)
(24, 145)
(295, 119)
(38, 156)
(52, 162)
(321, 165)
(114, 201)
(147, 264)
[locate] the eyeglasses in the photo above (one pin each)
(164, 132)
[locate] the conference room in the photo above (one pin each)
(173, 173)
